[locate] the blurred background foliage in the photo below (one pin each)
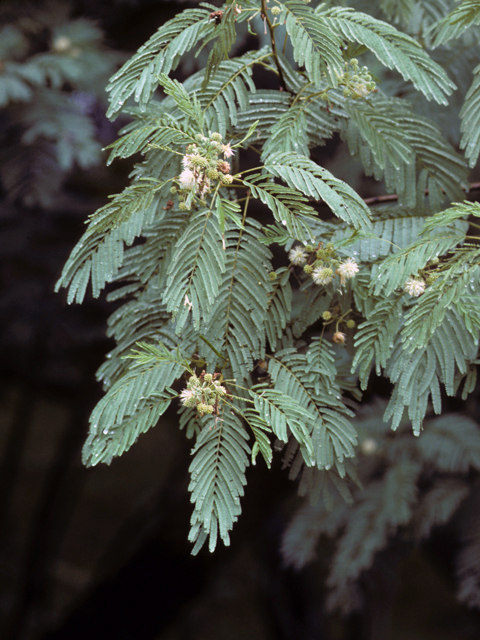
(103, 553)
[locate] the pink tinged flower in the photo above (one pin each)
(297, 256)
(339, 337)
(227, 150)
(188, 180)
(414, 287)
(187, 398)
(347, 270)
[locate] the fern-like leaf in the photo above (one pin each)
(196, 267)
(454, 24)
(220, 457)
(301, 173)
(160, 54)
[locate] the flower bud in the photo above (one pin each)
(204, 408)
(213, 174)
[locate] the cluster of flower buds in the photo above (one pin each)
(328, 317)
(323, 266)
(357, 83)
(202, 166)
(204, 392)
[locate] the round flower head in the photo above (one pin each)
(297, 256)
(188, 180)
(347, 270)
(187, 398)
(339, 337)
(187, 160)
(414, 287)
(322, 275)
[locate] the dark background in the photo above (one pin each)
(103, 552)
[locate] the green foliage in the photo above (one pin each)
(410, 485)
(263, 293)
(53, 71)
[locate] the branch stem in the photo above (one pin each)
(271, 29)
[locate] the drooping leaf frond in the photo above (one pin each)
(301, 173)
(236, 322)
(220, 457)
(131, 406)
(99, 253)
(160, 54)
(315, 45)
(455, 23)
(196, 269)
(470, 116)
(374, 340)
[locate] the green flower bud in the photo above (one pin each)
(216, 137)
(308, 268)
(192, 382)
(208, 377)
(309, 248)
(272, 275)
(276, 11)
(204, 408)
(329, 248)
(213, 174)
(326, 315)
(183, 206)
(173, 190)
(351, 324)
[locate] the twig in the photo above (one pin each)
(393, 197)
(266, 19)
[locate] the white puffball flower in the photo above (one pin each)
(227, 150)
(187, 397)
(188, 180)
(414, 287)
(298, 256)
(347, 269)
(187, 161)
(322, 275)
